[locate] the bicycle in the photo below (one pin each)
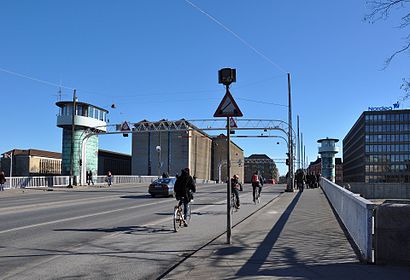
(257, 194)
(234, 203)
(179, 220)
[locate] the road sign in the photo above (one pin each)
(125, 127)
(228, 107)
(232, 123)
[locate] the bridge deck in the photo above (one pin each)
(295, 236)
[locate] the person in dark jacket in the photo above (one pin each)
(2, 180)
(236, 187)
(184, 187)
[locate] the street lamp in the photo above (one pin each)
(158, 148)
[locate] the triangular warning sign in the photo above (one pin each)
(125, 127)
(228, 107)
(232, 123)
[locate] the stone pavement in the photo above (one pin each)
(294, 237)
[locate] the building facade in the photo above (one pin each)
(117, 163)
(155, 153)
(219, 155)
(315, 167)
(262, 163)
(377, 148)
(31, 162)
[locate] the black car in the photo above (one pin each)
(162, 187)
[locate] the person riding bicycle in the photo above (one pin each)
(184, 187)
(236, 187)
(257, 183)
(300, 179)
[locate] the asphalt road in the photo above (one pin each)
(108, 233)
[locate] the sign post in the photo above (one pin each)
(228, 108)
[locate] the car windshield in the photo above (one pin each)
(164, 180)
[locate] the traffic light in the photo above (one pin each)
(287, 161)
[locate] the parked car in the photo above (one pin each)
(162, 187)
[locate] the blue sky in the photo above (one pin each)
(159, 59)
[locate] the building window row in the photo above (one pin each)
(50, 166)
(387, 158)
(391, 178)
(381, 168)
(385, 138)
(387, 148)
(387, 117)
(393, 127)
(85, 111)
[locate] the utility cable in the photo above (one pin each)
(34, 79)
(246, 43)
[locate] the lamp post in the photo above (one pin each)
(70, 180)
(158, 148)
(290, 185)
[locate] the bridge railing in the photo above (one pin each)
(62, 181)
(356, 213)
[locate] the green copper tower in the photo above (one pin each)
(84, 155)
(328, 151)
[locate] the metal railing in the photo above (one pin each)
(63, 181)
(356, 213)
(36, 181)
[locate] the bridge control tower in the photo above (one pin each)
(86, 116)
(328, 151)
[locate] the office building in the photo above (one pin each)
(377, 148)
(262, 163)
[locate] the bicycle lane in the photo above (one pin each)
(148, 250)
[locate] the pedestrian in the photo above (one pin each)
(318, 175)
(184, 187)
(236, 187)
(165, 175)
(109, 178)
(257, 183)
(2, 180)
(90, 177)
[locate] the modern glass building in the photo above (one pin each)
(377, 148)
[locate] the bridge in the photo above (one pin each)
(321, 233)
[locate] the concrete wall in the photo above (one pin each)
(355, 212)
(380, 190)
(200, 155)
(219, 154)
(392, 233)
(174, 152)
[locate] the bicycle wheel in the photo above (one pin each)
(177, 218)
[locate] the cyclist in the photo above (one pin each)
(300, 179)
(257, 183)
(236, 187)
(184, 187)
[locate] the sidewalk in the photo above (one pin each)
(295, 237)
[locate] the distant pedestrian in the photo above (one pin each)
(2, 180)
(90, 177)
(318, 179)
(165, 175)
(109, 178)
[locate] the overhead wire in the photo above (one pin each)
(236, 35)
(34, 79)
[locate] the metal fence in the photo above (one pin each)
(62, 181)
(356, 213)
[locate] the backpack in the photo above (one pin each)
(255, 178)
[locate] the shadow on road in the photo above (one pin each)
(124, 229)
